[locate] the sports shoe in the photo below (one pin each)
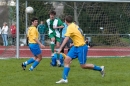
(62, 81)
(102, 71)
(30, 69)
(52, 64)
(23, 66)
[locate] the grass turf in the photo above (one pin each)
(117, 73)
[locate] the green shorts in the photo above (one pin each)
(57, 39)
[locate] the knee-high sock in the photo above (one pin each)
(34, 65)
(31, 60)
(65, 72)
(97, 68)
(53, 60)
(52, 45)
(61, 60)
(58, 56)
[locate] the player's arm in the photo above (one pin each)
(60, 25)
(71, 44)
(33, 33)
(37, 41)
(38, 27)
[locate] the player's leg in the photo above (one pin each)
(82, 59)
(36, 62)
(66, 69)
(35, 49)
(62, 39)
(58, 39)
(68, 44)
(42, 39)
(4, 44)
(53, 60)
(52, 43)
(57, 42)
(38, 56)
(61, 60)
(29, 61)
(6, 39)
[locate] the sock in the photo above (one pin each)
(34, 65)
(58, 56)
(61, 60)
(52, 45)
(65, 72)
(53, 61)
(97, 68)
(31, 60)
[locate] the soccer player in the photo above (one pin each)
(79, 50)
(61, 58)
(41, 29)
(69, 42)
(54, 25)
(34, 45)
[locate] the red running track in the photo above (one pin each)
(93, 52)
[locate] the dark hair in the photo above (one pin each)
(52, 12)
(74, 21)
(69, 19)
(33, 19)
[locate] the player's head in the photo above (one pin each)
(13, 24)
(68, 19)
(74, 22)
(5, 23)
(42, 22)
(86, 38)
(34, 21)
(52, 14)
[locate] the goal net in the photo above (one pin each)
(106, 25)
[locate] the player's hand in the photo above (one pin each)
(71, 44)
(54, 27)
(42, 46)
(59, 50)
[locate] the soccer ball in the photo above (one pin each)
(29, 10)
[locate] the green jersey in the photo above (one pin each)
(50, 23)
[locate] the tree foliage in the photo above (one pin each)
(113, 17)
(41, 10)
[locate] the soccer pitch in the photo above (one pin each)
(117, 73)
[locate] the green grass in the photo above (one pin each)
(117, 73)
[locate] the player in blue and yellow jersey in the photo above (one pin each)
(79, 50)
(58, 61)
(34, 46)
(68, 44)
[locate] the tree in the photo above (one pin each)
(76, 11)
(41, 10)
